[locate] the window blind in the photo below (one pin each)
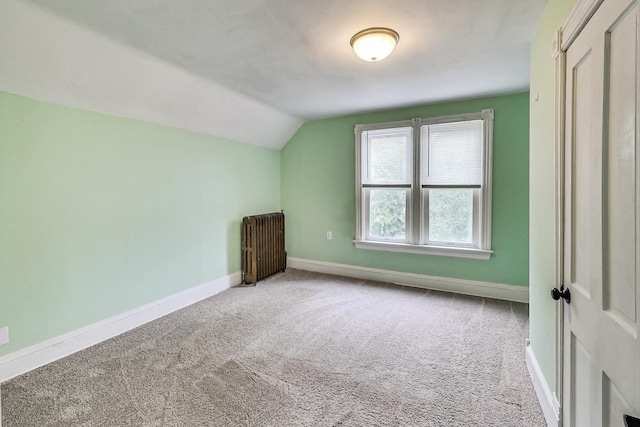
(452, 154)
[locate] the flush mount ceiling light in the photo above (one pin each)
(374, 44)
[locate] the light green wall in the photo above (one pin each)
(542, 184)
(318, 193)
(100, 214)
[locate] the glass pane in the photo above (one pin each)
(387, 213)
(389, 156)
(451, 215)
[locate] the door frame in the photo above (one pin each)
(580, 15)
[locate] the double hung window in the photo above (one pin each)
(424, 185)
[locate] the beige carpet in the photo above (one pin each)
(300, 349)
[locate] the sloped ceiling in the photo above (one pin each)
(293, 56)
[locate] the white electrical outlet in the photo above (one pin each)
(329, 235)
(4, 335)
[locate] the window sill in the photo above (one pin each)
(424, 249)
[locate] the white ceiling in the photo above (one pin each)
(294, 55)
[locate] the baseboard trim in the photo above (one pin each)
(548, 402)
(27, 359)
(447, 284)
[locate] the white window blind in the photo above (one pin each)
(389, 154)
(452, 154)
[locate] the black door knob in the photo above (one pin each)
(563, 292)
(630, 421)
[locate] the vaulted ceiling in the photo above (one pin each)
(213, 66)
(295, 55)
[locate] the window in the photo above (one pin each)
(424, 185)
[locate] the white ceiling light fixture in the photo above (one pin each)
(374, 44)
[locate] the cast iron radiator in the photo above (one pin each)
(262, 246)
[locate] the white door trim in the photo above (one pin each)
(560, 101)
(582, 11)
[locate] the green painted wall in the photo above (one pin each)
(318, 193)
(542, 186)
(100, 214)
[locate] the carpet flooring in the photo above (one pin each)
(299, 349)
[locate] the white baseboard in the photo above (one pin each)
(40, 354)
(447, 284)
(548, 402)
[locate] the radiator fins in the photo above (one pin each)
(263, 251)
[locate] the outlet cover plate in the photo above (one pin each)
(4, 335)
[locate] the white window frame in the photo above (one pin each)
(416, 222)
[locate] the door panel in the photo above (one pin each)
(602, 220)
(613, 403)
(581, 177)
(581, 387)
(620, 61)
